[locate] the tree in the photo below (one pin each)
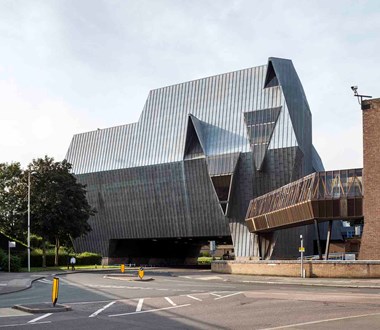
(59, 207)
(13, 203)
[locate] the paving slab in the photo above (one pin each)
(11, 312)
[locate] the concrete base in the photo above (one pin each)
(42, 308)
(292, 268)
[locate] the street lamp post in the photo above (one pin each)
(29, 221)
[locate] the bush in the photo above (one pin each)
(204, 260)
(15, 262)
(85, 258)
(36, 259)
(89, 258)
(205, 254)
(3, 257)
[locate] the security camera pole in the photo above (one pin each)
(359, 96)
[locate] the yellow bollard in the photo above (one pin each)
(141, 273)
(54, 291)
(122, 268)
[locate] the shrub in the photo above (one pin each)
(15, 262)
(204, 260)
(85, 258)
(3, 257)
(36, 259)
(89, 258)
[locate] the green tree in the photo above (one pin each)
(13, 201)
(59, 207)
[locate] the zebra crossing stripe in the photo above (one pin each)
(171, 302)
(139, 305)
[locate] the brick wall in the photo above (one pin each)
(292, 268)
(370, 245)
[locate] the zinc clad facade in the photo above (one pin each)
(199, 153)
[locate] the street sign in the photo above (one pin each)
(10, 245)
(301, 249)
(212, 246)
(141, 273)
(54, 291)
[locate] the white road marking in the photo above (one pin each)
(102, 309)
(215, 294)
(40, 317)
(44, 280)
(321, 321)
(90, 302)
(151, 310)
(171, 302)
(139, 305)
(3, 284)
(208, 278)
(202, 278)
(192, 297)
(229, 295)
(21, 324)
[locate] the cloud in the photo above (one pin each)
(32, 127)
(91, 63)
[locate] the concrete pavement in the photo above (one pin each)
(13, 282)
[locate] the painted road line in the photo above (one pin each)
(321, 321)
(102, 309)
(139, 305)
(171, 302)
(229, 295)
(192, 297)
(215, 294)
(45, 281)
(208, 278)
(40, 318)
(90, 302)
(151, 310)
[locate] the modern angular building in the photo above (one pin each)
(185, 173)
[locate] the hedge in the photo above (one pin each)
(85, 258)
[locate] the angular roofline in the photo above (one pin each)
(221, 74)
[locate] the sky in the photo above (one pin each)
(73, 66)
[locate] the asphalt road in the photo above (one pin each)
(191, 300)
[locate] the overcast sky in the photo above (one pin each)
(68, 67)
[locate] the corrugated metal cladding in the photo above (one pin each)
(153, 178)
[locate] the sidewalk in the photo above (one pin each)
(330, 282)
(13, 282)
